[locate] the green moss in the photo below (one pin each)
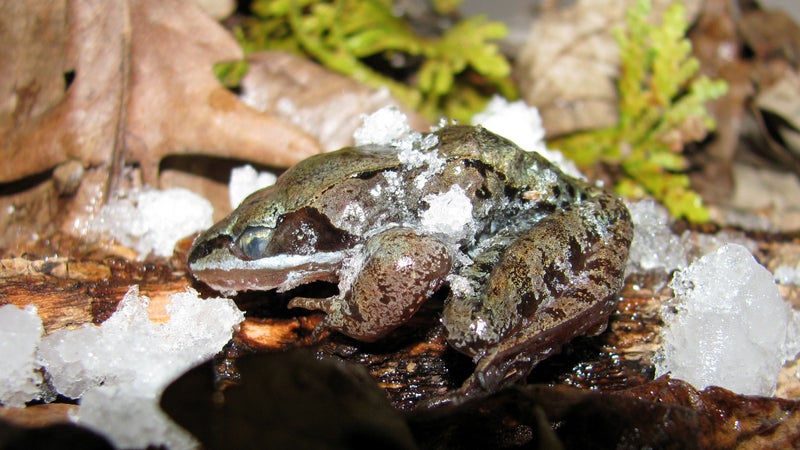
(661, 109)
(457, 72)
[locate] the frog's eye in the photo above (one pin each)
(253, 243)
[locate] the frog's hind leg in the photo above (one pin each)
(558, 280)
(512, 360)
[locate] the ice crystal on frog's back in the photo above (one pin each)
(448, 213)
(354, 216)
(462, 286)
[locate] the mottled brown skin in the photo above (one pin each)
(556, 281)
(540, 262)
(401, 270)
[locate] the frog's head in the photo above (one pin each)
(261, 246)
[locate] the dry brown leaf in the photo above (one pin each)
(323, 103)
(569, 65)
(774, 39)
(771, 34)
(717, 46)
(178, 106)
(41, 122)
(92, 87)
(726, 419)
(143, 88)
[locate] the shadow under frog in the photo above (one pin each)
(533, 258)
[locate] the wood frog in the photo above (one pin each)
(532, 257)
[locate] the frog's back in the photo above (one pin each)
(522, 171)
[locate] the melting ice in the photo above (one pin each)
(728, 325)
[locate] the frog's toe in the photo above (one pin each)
(315, 304)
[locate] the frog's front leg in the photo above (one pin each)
(400, 270)
(549, 284)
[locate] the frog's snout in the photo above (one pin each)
(202, 247)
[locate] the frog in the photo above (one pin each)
(529, 257)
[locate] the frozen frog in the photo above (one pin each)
(532, 257)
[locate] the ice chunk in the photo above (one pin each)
(120, 367)
(245, 180)
(382, 127)
(72, 370)
(728, 325)
(654, 246)
(522, 124)
(20, 333)
(449, 213)
(152, 221)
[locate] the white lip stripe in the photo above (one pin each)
(272, 263)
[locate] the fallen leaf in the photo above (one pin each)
(774, 40)
(326, 105)
(771, 33)
(726, 419)
(177, 106)
(321, 102)
(112, 83)
(717, 45)
(114, 88)
(44, 120)
(569, 65)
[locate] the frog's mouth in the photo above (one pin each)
(222, 271)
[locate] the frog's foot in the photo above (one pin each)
(401, 270)
(512, 360)
(315, 304)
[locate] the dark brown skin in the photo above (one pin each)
(398, 262)
(533, 257)
(561, 281)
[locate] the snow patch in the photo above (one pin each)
(654, 246)
(788, 275)
(152, 221)
(245, 180)
(20, 333)
(120, 368)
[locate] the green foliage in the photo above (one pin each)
(230, 74)
(458, 71)
(661, 109)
